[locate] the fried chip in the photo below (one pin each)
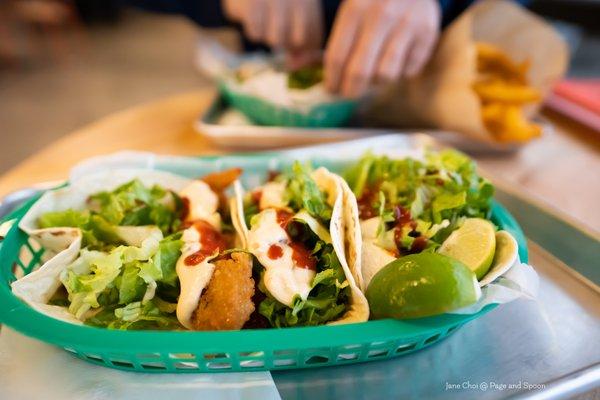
(493, 61)
(503, 90)
(508, 124)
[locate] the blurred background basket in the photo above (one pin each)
(263, 112)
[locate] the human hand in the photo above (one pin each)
(379, 41)
(288, 24)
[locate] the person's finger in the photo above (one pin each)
(393, 56)
(233, 9)
(299, 24)
(426, 35)
(306, 24)
(277, 21)
(345, 28)
(377, 26)
(254, 20)
(314, 38)
(420, 52)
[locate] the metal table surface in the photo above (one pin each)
(547, 348)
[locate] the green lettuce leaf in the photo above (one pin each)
(305, 77)
(98, 281)
(131, 204)
(131, 286)
(155, 314)
(250, 209)
(134, 204)
(302, 192)
(165, 259)
(67, 218)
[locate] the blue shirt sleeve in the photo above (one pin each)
(453, 8)
(209, 13)
(206, 13)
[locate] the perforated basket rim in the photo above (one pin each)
(85, 339)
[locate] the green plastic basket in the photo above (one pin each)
(263, 112)
(247, 350)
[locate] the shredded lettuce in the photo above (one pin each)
(134, 204)
(115, 285)
(67, 218)
(98, 282)
(302, 192)
(306, 77)
(131, 204)
(154, 314)
(438, 192)
(165, 259)
(327, 299)
(250, 209)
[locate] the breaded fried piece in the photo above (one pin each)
(226, 303)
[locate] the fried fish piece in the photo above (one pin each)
(219, 181)
(226, 303)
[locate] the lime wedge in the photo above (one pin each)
(473, 244)
(421, 285)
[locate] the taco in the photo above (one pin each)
(397, 207)
(139, 249)
(293, 225)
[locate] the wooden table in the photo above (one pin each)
(561, 170)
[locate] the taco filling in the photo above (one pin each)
(299, 272)
(150, 258)
(409, 205)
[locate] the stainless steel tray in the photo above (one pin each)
(549, 348)
(551, 344)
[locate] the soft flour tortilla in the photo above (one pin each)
(331, 184)
(62, 245)
(372, 258)
(441, 97)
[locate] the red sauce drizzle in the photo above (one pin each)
(275, 252)
(272, 174)
(185, 208)
(418, 244)
(283, 218)
(367, 201)
(303, 257)
(398, 237)
(300, 254)
(402, 218)
(211, 242)
(256, 196)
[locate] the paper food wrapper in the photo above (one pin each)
(520, 281)
(442, 97)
